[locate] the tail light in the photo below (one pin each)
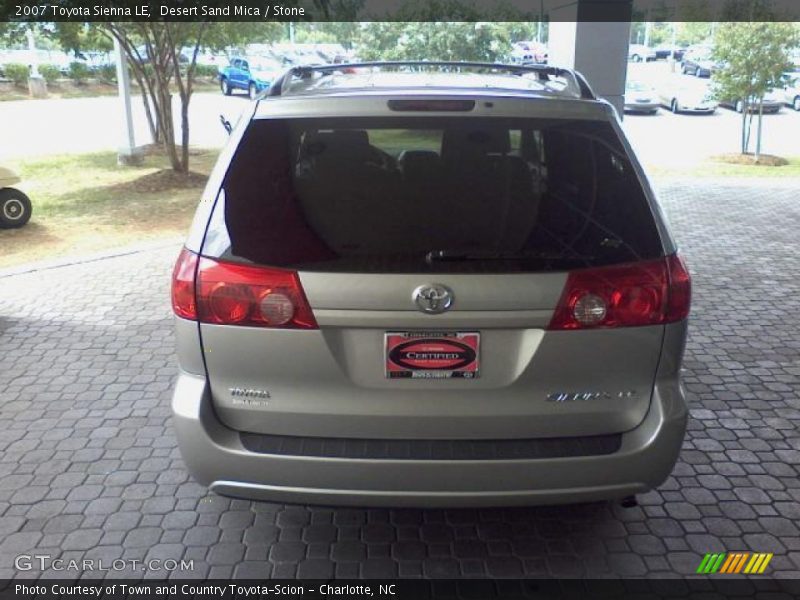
(647, 293)
(233, 294)
(183, 301)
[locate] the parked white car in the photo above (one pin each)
(791, 90)
(681, 95)
(529, 53)
(640, 97)
(639, 53)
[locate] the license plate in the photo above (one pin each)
(432, 354)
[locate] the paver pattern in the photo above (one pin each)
(89, 467)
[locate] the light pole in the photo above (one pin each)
(128, 153)
(674, 46)
(37, 86)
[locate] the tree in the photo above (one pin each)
(477, 41)
(753, 55)
(162, 56)
(12, 33)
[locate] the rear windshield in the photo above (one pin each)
(375, 195)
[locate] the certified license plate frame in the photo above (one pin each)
(444, 354)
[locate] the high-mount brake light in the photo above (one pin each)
(431, 105)
(644, 293)
(232, 294)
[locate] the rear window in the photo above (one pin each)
(457, 194)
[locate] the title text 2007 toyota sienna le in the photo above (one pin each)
(429, 285)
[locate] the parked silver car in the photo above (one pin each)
(640, 98)
(772, 102)
(436, 284)
(681, 95)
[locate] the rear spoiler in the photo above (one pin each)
(576, 86)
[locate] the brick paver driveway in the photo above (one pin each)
(89, 467)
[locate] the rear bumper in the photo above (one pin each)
(215, 456)
(642, 107)
(706, 110)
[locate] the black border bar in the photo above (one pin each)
(401, 589)
(399, 10)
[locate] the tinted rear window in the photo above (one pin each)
(431, 195)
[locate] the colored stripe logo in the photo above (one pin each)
(735, 562)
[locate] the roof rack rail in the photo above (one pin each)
(580, 88)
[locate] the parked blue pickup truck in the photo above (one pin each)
(254, 75)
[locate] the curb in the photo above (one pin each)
(88, 258)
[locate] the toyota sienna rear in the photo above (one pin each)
(439, 288)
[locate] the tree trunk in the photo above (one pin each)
(152, 120)
(758, 131)
(184, 135)
(744, 131)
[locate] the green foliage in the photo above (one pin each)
(479, 41)
(693, 33)
(334, 32)
(314, 36)
(12, 33)
(17, 73)
(79, 37)
(107, 73)
(51, 73)
(205, 71)
(78, 72)
(753, 56)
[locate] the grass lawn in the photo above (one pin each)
(85, 203)
(719, 168)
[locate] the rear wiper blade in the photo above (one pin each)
(461, 256)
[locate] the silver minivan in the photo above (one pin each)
(429, 284)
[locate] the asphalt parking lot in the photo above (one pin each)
(665, 140)
(89, 467)
(684, 140)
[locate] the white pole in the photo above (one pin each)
(37, 86)
(32, 49)
(127, 149)
(674, 44)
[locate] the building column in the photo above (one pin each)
(598, 49)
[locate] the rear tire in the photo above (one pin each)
(674, 107)
(739, 106)
(684, 70)
(15, 208)
(636, 58)
(252, 91)
(225, 86)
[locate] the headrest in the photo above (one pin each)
(477, 141)
(417, 164)
(343, 140)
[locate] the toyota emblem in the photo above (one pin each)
(433, 298)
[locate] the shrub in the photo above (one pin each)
(17, 73)
(51, 73)
(78, 72)
(107, 73)
(205, 71)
